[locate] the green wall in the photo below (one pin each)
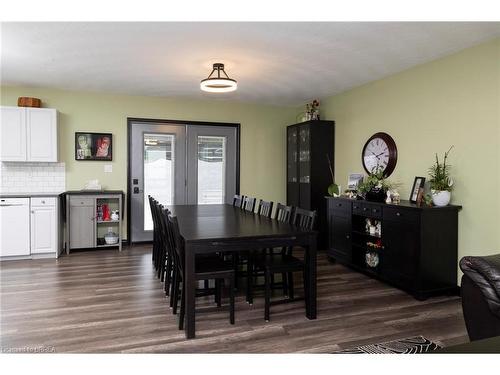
(262, 133)
(451, 101)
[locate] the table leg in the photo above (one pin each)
(190, 291)
(311, 277)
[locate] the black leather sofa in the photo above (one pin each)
(481, 295)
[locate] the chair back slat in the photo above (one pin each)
(265, 208)
(304, 218)
(248, 204)
(283, 213)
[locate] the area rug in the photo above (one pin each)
(412, 345)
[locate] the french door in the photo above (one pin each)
(178, 164)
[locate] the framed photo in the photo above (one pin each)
(93, 146)
(354, 180)
(418, 184)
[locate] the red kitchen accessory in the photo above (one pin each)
(105, 212)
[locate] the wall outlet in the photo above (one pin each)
(108, 168)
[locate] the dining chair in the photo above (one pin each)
(285, 263)
(283, 214)
(248, 204)
(206, 268)
(265, 208)
(156, 239)
(238, 200)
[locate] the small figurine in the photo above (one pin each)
(388, 199)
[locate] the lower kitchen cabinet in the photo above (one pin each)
(44, 226)
(30, 227)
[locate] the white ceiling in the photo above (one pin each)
(275, 63)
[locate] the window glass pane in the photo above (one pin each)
(211, 169)
(158, 172)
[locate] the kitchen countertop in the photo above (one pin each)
(28, 195)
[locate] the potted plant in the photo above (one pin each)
(374, 187)
(440, 181)
(333, 189)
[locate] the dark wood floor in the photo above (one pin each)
(106, 301)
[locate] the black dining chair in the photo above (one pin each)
(285, 263)
(248, 204)
(265, 208)
(238, 200)
(155, 231)
(283, 214)
(206, 268)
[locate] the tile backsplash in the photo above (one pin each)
(32, 177)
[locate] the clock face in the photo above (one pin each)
(379, 154)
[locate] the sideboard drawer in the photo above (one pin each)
(371, 210)
(77, 201)
(340, 207)
(392, 213)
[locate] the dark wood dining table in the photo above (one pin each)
(224, 228)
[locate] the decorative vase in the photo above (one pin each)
(441, 198)
(376, 195)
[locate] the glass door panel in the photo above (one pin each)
(211, 169)
(304, 155)
(292, 155)
(159, 172)
(211, 164)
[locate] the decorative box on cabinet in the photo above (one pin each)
(418, 244)
(308, 177)
(28, 134)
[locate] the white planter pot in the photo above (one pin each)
(441, 198)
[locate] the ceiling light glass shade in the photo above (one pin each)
(217, 82)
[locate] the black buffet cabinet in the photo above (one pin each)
(413, 248)
(308, 175)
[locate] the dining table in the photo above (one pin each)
(224, 228)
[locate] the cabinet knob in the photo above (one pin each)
(347, 236)
(43, 202)
(374, 210)
(398, 214)
(32, 212)
(364, 208)
(339, 204)
(355, 207)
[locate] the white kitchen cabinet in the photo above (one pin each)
(13, 134)
(44, 229)
(41, 132)
(14, 227)
(28, 134)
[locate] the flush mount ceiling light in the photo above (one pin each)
(218, 81)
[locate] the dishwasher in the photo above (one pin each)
(14, 227)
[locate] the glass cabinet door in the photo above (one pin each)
(292, 155)
(304, 155)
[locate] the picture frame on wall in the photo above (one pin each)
(93, 146)
(418, 184)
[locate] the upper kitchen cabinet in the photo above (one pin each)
(28, 134)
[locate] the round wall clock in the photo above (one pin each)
(380, 153)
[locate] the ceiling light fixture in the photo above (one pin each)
(217, 83)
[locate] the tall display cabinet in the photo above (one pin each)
(308, 175)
